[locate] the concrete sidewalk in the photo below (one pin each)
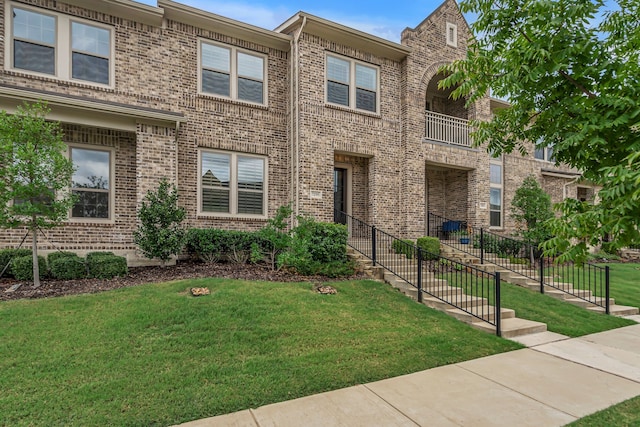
(548, 384)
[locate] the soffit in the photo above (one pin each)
(338, 33)
(219, 24)
(127, 9)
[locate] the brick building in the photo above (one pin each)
(245, 120)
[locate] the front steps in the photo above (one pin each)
(443, 294)
(562, 291)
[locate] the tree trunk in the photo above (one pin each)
(34, 250)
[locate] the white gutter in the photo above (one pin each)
(564, 187)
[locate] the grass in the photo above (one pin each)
(623, 414)
(561, 317)
(625, 286)
(153, 355)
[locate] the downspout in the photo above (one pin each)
(177, 162)
(296, 122)
(564, 187)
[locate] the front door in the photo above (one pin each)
(339, 195)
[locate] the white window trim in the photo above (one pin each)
(233, 186)
(352, 84)
(497, 161)
(63, 57)
(112, 183)
(233, 72)
(545, 154)
(452, 29)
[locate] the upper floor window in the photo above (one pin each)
(544, 153)
(232, 73)
(59, 45)
(92, 182)
(452, 34)
(352, 84)
(232, 184)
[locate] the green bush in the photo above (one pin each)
(67, 267)
(57, 255)
(106, 265)
(206, 244)
(22, 267)
(405, 247)
(6, 255)
(318, 248)
(430, 247)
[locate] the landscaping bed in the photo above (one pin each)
(141, 275)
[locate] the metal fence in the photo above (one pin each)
(435, 279)
(587, 282)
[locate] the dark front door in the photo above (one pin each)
(339, 195)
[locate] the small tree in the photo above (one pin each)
(531, 209)
(160, 233)
(34, 174)
(277, 238)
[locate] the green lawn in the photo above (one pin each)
(153, 355)
(625, 283)
(561, 317)
(625, 414)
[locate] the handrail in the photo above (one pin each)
(524, 259)
(464, 287)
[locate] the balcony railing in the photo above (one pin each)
(447, 129)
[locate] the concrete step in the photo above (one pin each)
(486, 312)
(591, 303)
(465, 301)
(513, 327)
(569, 294)
(616, 310)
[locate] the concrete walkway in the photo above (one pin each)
(549, 384)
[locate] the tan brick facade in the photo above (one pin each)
(157, 122)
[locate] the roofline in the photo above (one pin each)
(127, 9)
(90, 104)
(220, 24)
(434, 12)
(347, 35)
(497, 102)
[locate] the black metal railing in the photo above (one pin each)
(430, 276)
(587, 282)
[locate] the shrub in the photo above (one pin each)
(236, 245)
(275, 237)
(206, 244)
(6, 255)
(405, 247)
(160, 234)
(430, 247)
(318, 248)
(57, 255)
(106, 265)
(67, 267)
(22, 267)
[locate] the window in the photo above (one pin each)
(352, 84)
(232, 184)
(59, 46)
(92, 183)
(452, 34)
(544, 153)
(495, 192)
(90, 50)
(232, 73)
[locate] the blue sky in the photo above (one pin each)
(385, 19)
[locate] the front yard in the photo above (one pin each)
(154, 355)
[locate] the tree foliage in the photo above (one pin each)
(34, 173)
(160, 233)
(531, 209)
(570, 69)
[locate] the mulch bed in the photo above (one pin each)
(142, 275)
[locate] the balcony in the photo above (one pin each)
(447, 129)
